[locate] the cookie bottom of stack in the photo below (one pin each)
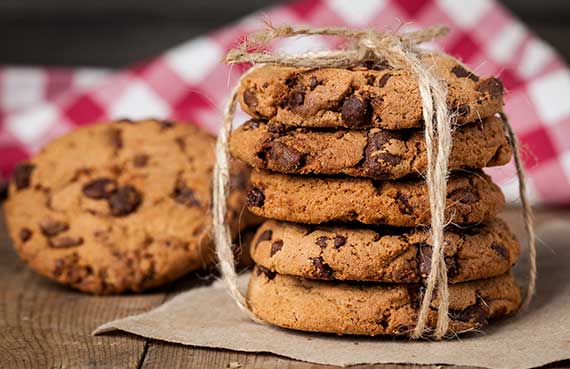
(374, 309)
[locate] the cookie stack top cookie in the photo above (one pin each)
(340, 156)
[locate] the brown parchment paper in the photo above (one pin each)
(207, 317)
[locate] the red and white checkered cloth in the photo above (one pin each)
(190, 83)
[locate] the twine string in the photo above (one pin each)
(399, 50)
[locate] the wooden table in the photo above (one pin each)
(44, 325)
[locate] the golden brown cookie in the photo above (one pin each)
(382, 254)
(362, 97)
(471, 198)
(373, 309)
(119, 207)
(373, 153)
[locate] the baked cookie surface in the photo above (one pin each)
(393, 255)
(119, 207)
(373, 309)
(373, 153)
(361, 97)
(471, 198)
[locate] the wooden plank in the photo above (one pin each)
(44, 325)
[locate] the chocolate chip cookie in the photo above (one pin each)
(373, 309)
(369, 96)
(374, 153)
(471, 198)
(395, 255)
(117, 207)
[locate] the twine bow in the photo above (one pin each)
(399, 51)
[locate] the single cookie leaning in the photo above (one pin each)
(382, 254)
(371, 153)
(362, 97)
(371, 309)
(120, 206)
(471, 198)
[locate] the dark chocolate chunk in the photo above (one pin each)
(283, 157)
(461, 72)
(181, 143)
(376, 162)
(355, 111)
(376, 65)
(463, 110)
(140, 160)
(124, 201)
(296, 99)
(339, 241)
(22, 174)
(51, 227)
(277, 129)
(25, 234)
(255, 197)
(501, 250)
(166, 124)
(65, 242)
(472, 314)
(251, 124)
(384, 79)
(491, 86)
(323, 269)
(100, 188)
(313, 82)
(264, 236)
(250, 98)
(425, 254)
(322, 241)
(463, 195)
(276, 247)
(184, 195)
(404, 204)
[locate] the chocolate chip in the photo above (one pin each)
(116, 138)
(355, 111)
(472, 314)
(268, 273)
(461, 72)
(100, 188)
(463, 195)
(383, 322)
(265, 84)
(404, 204)
(22, 174)
(501, 250)
(124, 201)
(376, 162)
(384, 79)
(339, 241)
(463, 110)
(250, 98)
(140, 160)
(323, 269)
(184, 195)
(277, 129)
(322, 242)
(492, 86)
(292, 81)
(255, 197)
(51, 227)
(313, 82)
(64, 242)
(25, 234)
(264, 236)
(276, 247)
(425, 254)
(166, 124)
(282, 157)
(296, 99)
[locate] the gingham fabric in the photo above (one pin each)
(189, 82)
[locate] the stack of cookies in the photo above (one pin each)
(339, 156)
